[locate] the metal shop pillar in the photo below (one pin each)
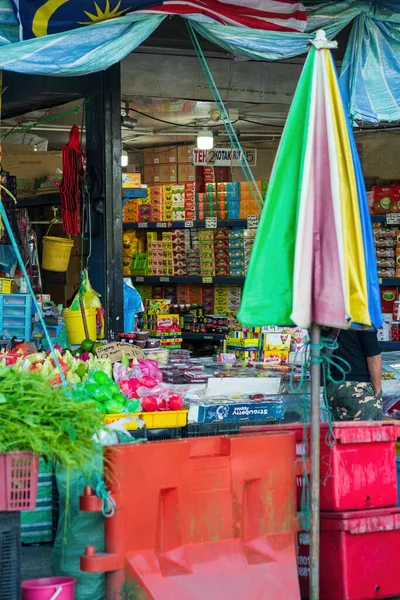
(104, 147)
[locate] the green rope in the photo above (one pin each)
(317, 354)
(233, 138)
(44, 121)
(108, 502)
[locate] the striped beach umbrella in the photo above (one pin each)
(313, 261)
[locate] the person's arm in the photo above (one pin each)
(375, 370)
(374, 359)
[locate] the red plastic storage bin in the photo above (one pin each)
(18, 481)
(358, 471)
(360, 555)
(200, 518)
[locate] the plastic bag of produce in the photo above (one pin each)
(77, 529)
(91, 299)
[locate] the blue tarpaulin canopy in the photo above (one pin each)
(369, 76)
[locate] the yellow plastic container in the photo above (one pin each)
(56, 252)
(152, 420)
(397, 448)
(74, 325)
(5, 285)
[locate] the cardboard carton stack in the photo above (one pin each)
(169, 165)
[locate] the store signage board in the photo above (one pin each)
(224, 157)
(252, 221)
(113, 351)
(393, 219)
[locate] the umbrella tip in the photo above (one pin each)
(321, 41)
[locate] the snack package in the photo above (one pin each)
(388, 297)
(395, 198)
(397, 261)
(382, 200)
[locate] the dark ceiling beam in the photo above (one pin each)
(26, 93)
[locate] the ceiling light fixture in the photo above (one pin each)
(124, 159)
(205, 140)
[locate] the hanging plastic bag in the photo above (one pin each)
(91, 299)
(8, 258)
(132, 305)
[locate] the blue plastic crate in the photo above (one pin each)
(15, 300)
(15, 316)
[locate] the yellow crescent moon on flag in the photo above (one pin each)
(43, 15)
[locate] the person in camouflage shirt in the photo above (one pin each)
(359, 397)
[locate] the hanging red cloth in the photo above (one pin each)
(70, 187)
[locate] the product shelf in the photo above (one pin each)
(149, 279)
(44, 199)
(392, 346)
(240, 223)
(390, 282)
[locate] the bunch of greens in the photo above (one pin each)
(36, 417)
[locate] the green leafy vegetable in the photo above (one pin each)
(36, 417)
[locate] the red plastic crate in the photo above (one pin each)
(358, 471)
(18, 481)
(360, 555)
(215, 519)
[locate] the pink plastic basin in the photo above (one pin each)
(48, 588)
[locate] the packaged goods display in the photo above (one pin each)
(387, 249)
(188, 252)
(180, 202)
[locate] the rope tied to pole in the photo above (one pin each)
(322, 354)
(108, 502)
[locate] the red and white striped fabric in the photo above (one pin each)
(277, 15)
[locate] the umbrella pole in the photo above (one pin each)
(315, 463)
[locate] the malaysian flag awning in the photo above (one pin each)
(109, 30)
(38, 17)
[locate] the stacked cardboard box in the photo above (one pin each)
(236, 253)
(178, 252)
(131, 180)
(169, 165)
(155, 262)
(221, 252)
(192, 248)
(156, 202)
(167, 203)
(178, 202)
(160, 165)
(130, 211)
(207, 257)
(233, 199)
(190, 201)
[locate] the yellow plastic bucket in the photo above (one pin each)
(56, 252)
(74, 325)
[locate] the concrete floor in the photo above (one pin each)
(36, 561)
